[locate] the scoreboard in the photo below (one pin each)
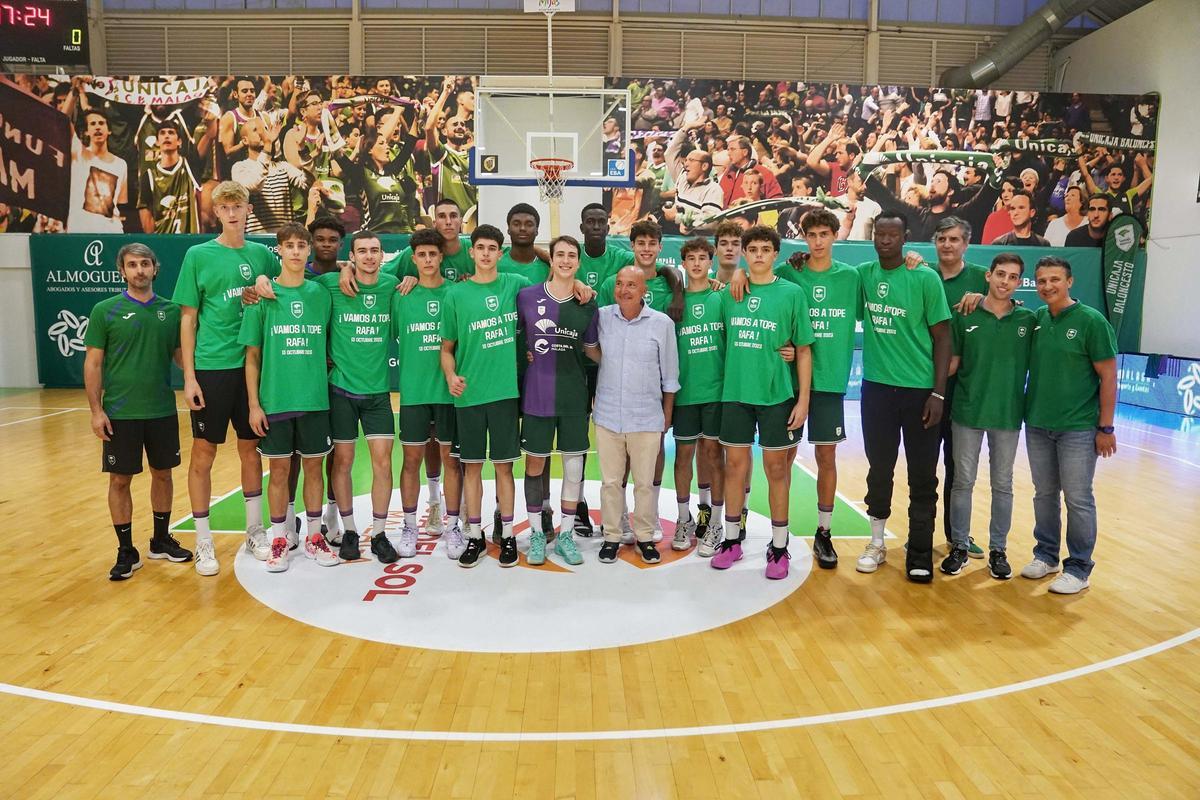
(43, 32)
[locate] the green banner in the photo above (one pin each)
(71, 273)
(1124, 278)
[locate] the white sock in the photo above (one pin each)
(718, 514)
(348, 521)
(203, 531)
(535, 521)
(685, 513)
(732, 530)
(877, 525)
(506, 528)
(278, 530)
(452, 519)
(435, 488)
(779, 536)
(314, 525)
(289, 523)
(254, 510)
(474, 530)
(331, 515)
(824, 518)
(410, 519)
(377, 525)
(705, 495)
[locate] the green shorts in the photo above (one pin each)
(307, 434)
(416, 422)
(541, 436)
(739, 420)
(690, 422)
(826, 418)
(488, 432)
(374, 412)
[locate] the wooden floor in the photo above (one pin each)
(844, 644)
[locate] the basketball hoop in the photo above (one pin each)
(550, 179)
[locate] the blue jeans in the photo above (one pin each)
(1063, 462)
(1002, 452)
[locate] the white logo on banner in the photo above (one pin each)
(1189, 387)
(93, 253)
(1124, 237)
(68, 333)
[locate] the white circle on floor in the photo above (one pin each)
(431, 602)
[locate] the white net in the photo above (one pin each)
(551, 177)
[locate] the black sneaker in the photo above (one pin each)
(294, 541)
(608, 552)
(954, 563)
(648, 552)
(127, 561)
(998, 565)
(703, 519)
(166, 547)
(583, 521)
(383, 549)
(508, 551)
(473, 553)
(742, 527)
(348, 549)
(497, 527)
(823, 549)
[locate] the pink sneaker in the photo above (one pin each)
(729, 551)
(777, 562)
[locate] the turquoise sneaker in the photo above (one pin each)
(564, 546)
(537, 549)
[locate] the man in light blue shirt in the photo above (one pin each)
(635, 394)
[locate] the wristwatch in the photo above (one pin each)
(1106, 429)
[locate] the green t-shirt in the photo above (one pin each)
(293, 332)
(994, 353)
(769, 316)
(417, 317)
(536, 271)
(900, 305)
(595, 271)
(454, 267)
(1064, 389)
(834, 305)
(972, 278)
(658, 293)
(482, 319)
(139, 341)
(211, 281)
(701, 340)
(454, 170)
(359, 333)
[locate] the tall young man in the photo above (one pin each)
(456, 253)
(479, 361)
(286, 341)
(555, 401)
(906, 355)
(209, 293)
(991, 359)
(522, 258)
(1068, 423)
(131, 341)
(697, 416)
(427, 415)
(760, 394)
(834, 294)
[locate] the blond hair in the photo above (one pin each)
(230, 192)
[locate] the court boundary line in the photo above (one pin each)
(43, 416)
(577, 736)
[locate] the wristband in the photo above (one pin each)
(938, 396)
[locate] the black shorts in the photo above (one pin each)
(122, 454)
(225, 401)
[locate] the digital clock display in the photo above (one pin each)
(48, 32)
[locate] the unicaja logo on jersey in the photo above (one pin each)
(592, 278)
(493, 302)
(162, 315)
(818, 293)
(754, 303)
(1071, 333)
(882, 289)
(433, 308)
(247, 273)
(93, 254)
(698, 310)
(541, 347)
(297, 309)
(1021, 331)
(369, 300)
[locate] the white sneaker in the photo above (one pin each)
(657, 536)
(206, 558)
(1068, 584)
(455, 543)
(627, 536)
(408, 542)
(277, 561)
(682, 540)
(257, 543)
(712, 538)
(434, 524)
(316, 548)
(1037, 569)
(872, 557)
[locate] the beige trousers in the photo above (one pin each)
(641, 449)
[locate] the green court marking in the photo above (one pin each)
(228, 514)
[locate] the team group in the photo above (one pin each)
(505, 351)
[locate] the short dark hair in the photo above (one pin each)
(892, 215)
(1107, 198)
(1053, 261)
(170, 125)
(446, 201)
(951, 179)
(329, 224)
(697, 243)
(427, 237)
(1007, 258)
(570, 240)
(761, 233)
(523, 208)
(487, 232)
(645, 227)
(592, 207)
(1115, 165)
(362, 236)
(293, 230)
(1023, 193)
(727, 230)
(819, 217)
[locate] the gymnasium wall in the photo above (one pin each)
(1154, 49)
